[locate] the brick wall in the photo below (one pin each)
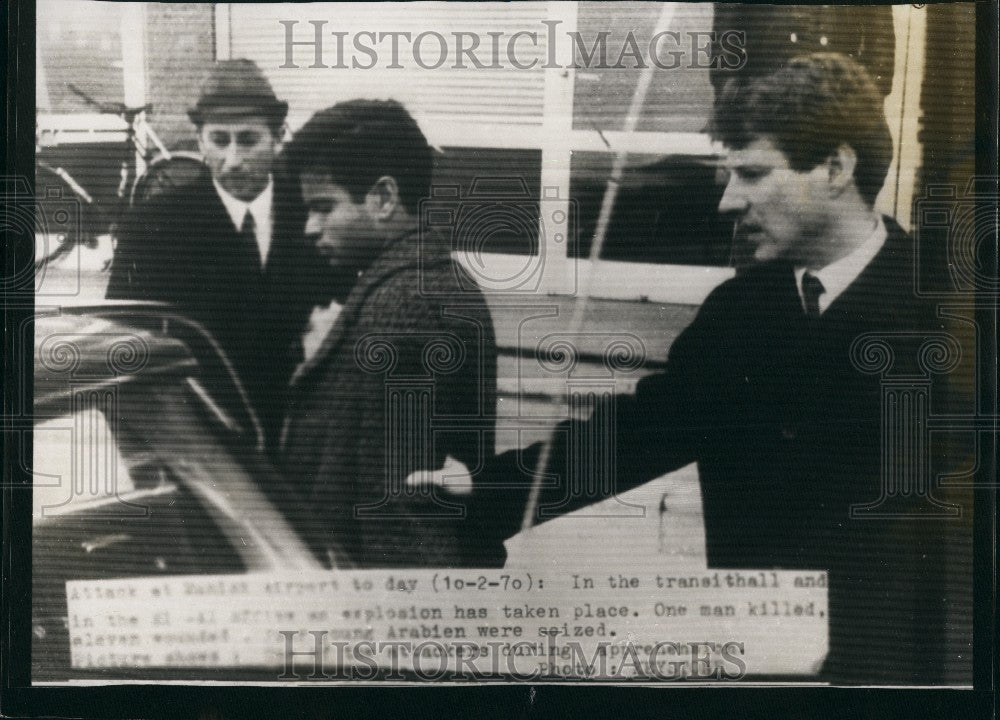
(180, 48)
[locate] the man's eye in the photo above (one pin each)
(751, 172)
(220, 139)
(247, 138)
(321, 209)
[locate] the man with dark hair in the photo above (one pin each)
(406, 378)
(762, 390)
(355, 152)
(815, 104)
(227, 250)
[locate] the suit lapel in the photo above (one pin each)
(776, 294)
(203, 219)
(244, 256)
(208, 248)
(287, 231)
(876, 291)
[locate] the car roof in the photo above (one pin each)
(77, 350)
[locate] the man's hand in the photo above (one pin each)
(453, 477)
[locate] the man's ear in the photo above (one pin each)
(383, 198)
(840, 168)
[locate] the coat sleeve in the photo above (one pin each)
(446, 345)
(141, 264)
(441, 358)
(656, 430)
(124, 281)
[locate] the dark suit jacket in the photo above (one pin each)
(406, 376)
(183, 249)
(786, 431)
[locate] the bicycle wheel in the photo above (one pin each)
(180, 169)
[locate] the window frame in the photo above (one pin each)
(556, 139)
(64, 128)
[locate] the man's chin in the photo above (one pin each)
(762, 250)
(242, 191)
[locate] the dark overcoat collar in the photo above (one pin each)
(411, 252)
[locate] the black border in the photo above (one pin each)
(17, 698)
(986, 672)
(19, 157)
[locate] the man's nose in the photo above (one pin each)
(733, 199)
(312, 231)
(234, 157)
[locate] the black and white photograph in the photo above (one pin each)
(501, 343)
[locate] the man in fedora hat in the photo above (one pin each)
(226, 250)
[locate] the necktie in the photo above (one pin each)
(812, 288)
(248, 231)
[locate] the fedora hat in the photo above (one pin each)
(238, 88)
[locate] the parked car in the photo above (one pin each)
(147, 461)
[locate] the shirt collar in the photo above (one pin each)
(259, 207)
(838, 276)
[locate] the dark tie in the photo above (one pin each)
(248, 231)
(812, 288)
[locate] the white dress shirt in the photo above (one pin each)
(837, 276)
(259, 208)
(320, 323)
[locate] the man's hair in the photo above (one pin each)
(808, 109)
(359, 141)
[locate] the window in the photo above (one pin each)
(95, 47)
(679, 97)
(566, 112)
(666, 212)
(78, 43)
(493, 123)
(512, 180)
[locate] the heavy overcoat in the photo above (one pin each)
(182, 248)
(797, 425)
(405, 377)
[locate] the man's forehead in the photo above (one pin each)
(235, 124)
(759, 151)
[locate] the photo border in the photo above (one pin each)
(18, 698)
